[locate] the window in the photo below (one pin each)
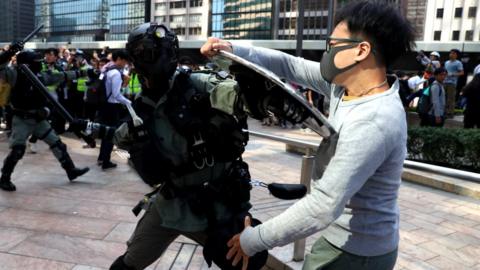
(195, 18)
(469, 35)
(179, 4)
(177, 18)
(160, 19)
(195, 31)
(160, 6)
(437, 35)
(195, 3)
(440, 13)
(179, 31)
(472, 12)
(458, 12)
(456, 35)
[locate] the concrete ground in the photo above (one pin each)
(50, 223)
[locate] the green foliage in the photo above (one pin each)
(454, 148)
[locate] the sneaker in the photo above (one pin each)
(86, 146)
(108, 165)
(32, 148)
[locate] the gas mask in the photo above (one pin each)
(153, 49)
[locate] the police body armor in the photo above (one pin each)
(212, 135)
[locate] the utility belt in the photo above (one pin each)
(38, 114)
(232, 188)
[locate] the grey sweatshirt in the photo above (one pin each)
(354, 202)
(437, 95)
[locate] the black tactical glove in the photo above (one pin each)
(14, 48)
(138, 132)
(78, 125)
(285, 106)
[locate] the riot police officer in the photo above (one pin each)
(30, 114)
(189, 148)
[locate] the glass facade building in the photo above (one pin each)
(242, 19)
(88, 20)
(16, 19)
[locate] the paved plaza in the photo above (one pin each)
(50, 223)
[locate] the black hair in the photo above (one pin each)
(400, 73)
(457, 51)
(439, 70)
(103, 60)
(381, 24)
(122, 54)
(51, 50)
(185, 60)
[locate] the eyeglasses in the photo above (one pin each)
(339, 41)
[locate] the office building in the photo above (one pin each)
(88, 20)
(16, 19)
(187, 18)
(452, 20)
(242, 19)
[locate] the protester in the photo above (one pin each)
(109, 112)
(354, 199)
(435, 117)
(455, 69)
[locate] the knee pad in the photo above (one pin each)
(118, 264)
(17, 152)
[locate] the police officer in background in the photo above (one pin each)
(55, 88)
(189, 147)
(30, 114)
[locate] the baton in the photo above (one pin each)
(56, 105)
(33, 33)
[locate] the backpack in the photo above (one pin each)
(97, 93)
(425, 101)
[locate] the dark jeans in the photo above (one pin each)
(429, 121)
(108, 114)
(325, 256)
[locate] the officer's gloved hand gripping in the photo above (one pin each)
(12, 50)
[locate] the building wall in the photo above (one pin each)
(315, 19)
(242, 19)
(88, 20)
(415, 11)
(187, 18)
(16, 19)
(452, 20)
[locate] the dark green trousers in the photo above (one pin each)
(325, 256)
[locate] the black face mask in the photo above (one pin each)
(327, 66)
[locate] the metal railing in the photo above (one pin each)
(305, 176)
(307, 167)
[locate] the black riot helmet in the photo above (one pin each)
(153, 49)
(30, 58)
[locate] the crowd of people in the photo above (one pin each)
(80, 95)
(436, 92)
(188, 140)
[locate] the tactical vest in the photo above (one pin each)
(212, 136)
(52, 88)
(82, 81)
(135, 85)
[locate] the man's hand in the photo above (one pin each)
(236, 251)
(438, 119)
(213, 45)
